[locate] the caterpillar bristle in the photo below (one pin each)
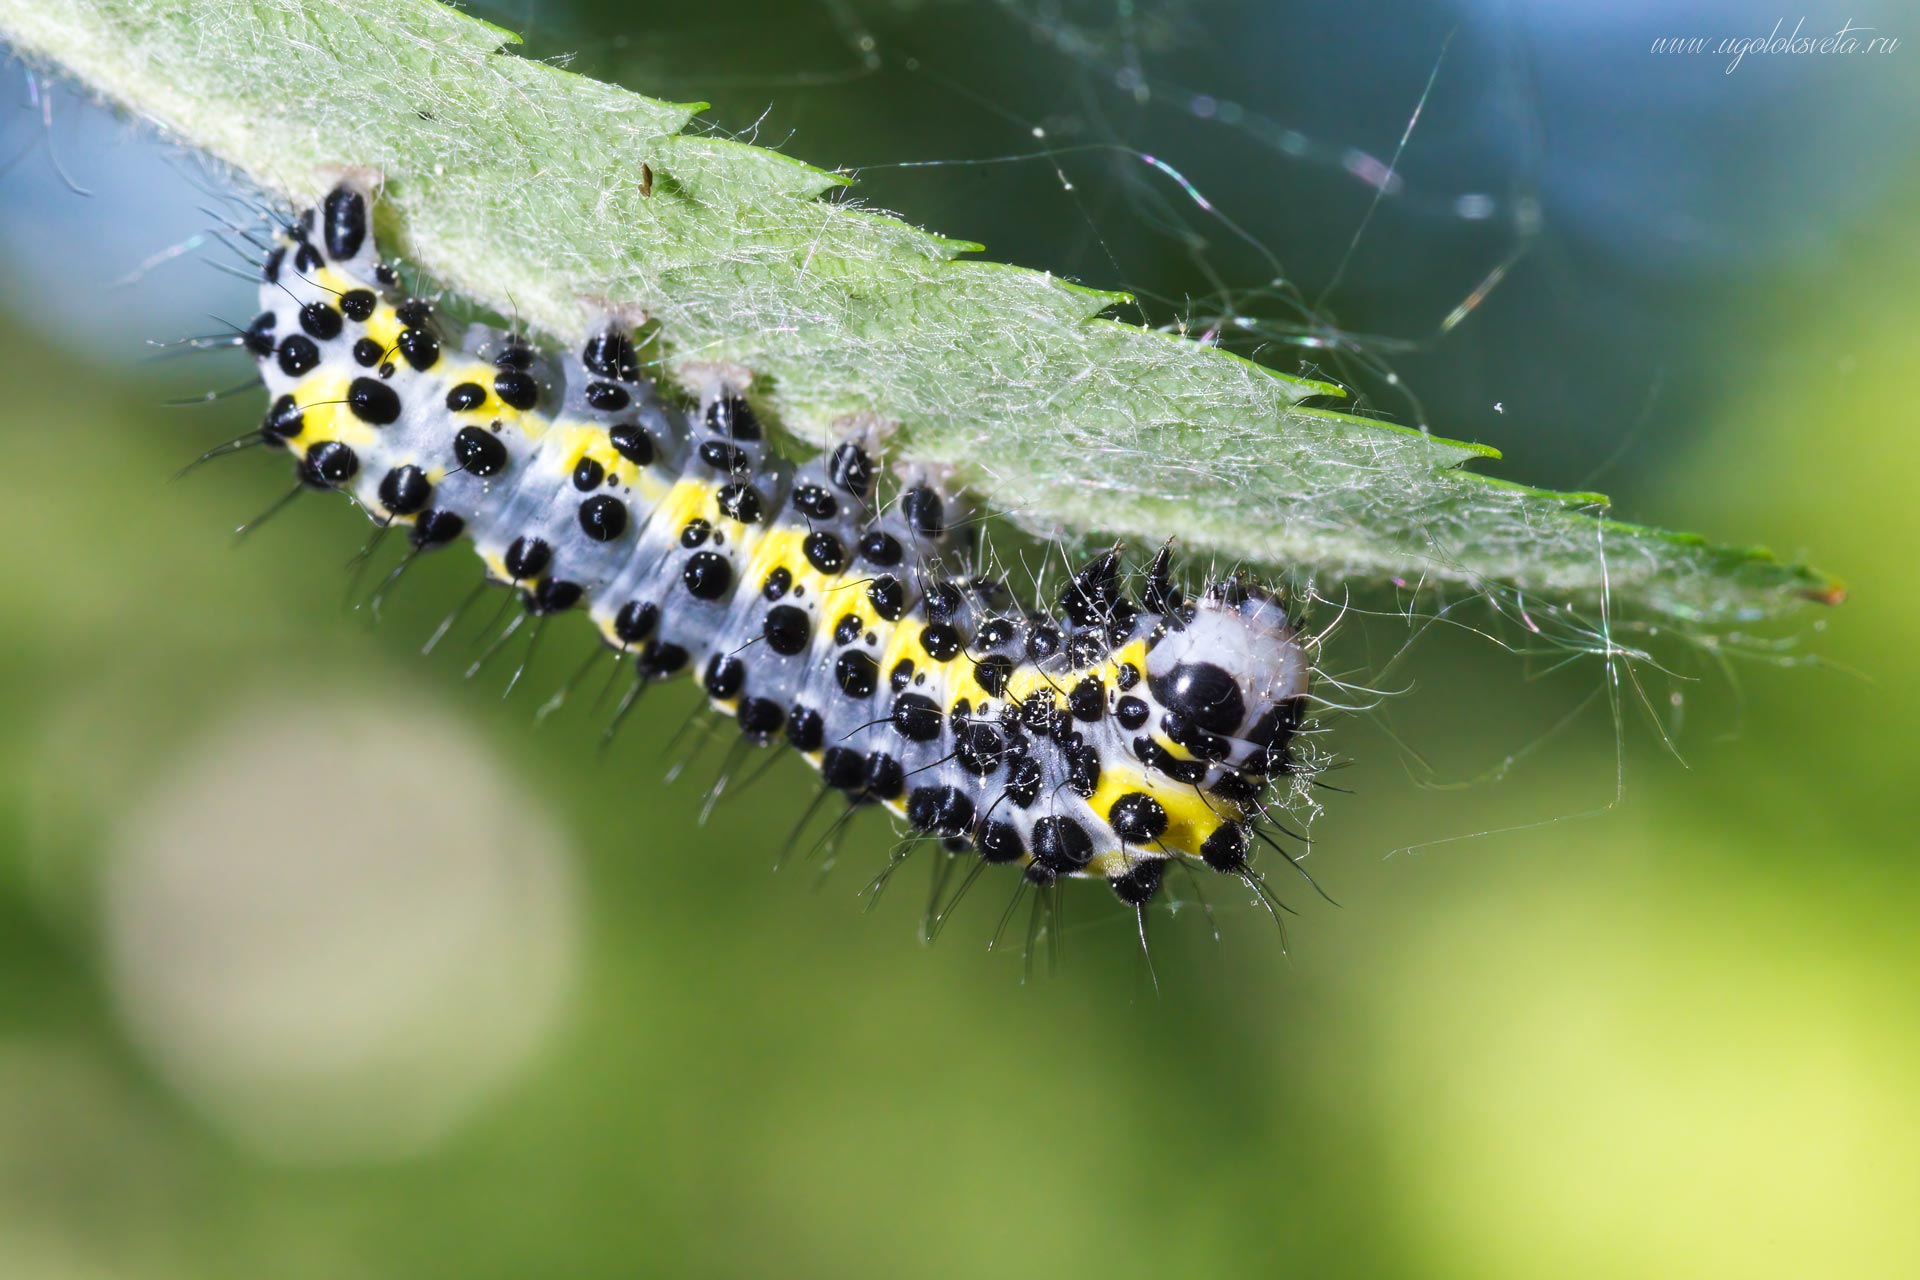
(820, 605)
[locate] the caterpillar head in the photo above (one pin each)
(1236, 672)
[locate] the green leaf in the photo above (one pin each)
(520, 186)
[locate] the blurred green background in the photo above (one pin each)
(316, 960)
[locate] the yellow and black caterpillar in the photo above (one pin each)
(1110, 738)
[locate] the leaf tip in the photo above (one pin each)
(1831, 592)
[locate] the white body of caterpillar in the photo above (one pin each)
(1109, 740)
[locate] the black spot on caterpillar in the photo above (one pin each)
(1109, 739)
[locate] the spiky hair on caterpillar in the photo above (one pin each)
(1109, 739)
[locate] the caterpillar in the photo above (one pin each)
(1107, 738)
